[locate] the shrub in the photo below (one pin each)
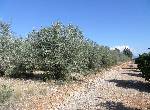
(5, 94)
(143, 62)
(15, 53)
(6, 45)
(61, 49)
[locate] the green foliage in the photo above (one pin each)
(57, 50)
(143, 62)
(6, 45)
(15, 53)
(128, 52)
(5, 94)
(61, 50)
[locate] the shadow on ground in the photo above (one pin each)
(111, 105)
(38, 77)
(130, 68)
(134, 74)
(133, 84)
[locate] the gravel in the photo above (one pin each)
(114, 90)
(119, 88)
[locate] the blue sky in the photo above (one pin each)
(108, 22)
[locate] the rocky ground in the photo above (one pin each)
(119, 88)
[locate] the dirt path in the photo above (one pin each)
(118, 89)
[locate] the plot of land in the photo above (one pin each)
(120, 88)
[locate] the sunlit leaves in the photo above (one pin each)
(58, 50)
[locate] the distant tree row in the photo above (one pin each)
(57, 50)
(127, 52)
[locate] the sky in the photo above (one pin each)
(115, 23)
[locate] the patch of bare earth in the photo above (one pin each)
(119, 88)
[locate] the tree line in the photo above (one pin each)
(57, 50)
